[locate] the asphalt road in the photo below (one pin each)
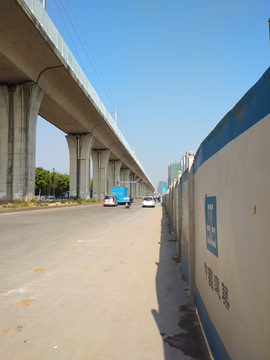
(89, 282)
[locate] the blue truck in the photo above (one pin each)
(121, 194)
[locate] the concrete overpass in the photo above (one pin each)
(40, 76)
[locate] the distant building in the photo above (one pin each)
(160, 185)
(173, 172)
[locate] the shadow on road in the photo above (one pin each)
(177, 322)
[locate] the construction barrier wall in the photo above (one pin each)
(229, 228)
(185, 226)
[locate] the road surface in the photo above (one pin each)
(94, 283)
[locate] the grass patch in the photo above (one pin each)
(20, 204)
(90, 201)
(33, 203)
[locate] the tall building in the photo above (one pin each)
(173, 172)
(160, 186)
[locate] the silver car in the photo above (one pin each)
(110, 200)
(148, 201)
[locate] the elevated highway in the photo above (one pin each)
(39, 75)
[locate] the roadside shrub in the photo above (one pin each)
(36, 202)
(20, 203)
(7, 206)
(90, 200)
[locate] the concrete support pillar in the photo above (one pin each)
(137, 187)
(80, 147)
(114, 167)
(19, 107)
(132, 185)
(100, 160)
(110, 176)
(143, 189)
(124, 179)
(192, 280)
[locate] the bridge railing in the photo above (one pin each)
(43, 18)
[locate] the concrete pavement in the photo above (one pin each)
(114, 292)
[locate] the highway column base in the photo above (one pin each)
(19, 107)
(100, 160)
(80, 147)
(114, 167)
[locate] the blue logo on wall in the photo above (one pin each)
(211, 224)
(164, 188)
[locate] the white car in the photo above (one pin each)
(148, 201)
(51, 198)
(110, 200)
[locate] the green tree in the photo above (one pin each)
(63, 183)
(42, 181)
(58, 182)
(91, 185)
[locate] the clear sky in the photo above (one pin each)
(174, 68)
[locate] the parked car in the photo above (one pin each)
(148, 201)
(50, 198)
(110, 200)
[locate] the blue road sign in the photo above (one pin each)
(211, 224)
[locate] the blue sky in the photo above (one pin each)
(174, 68)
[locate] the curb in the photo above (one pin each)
(11, 210)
